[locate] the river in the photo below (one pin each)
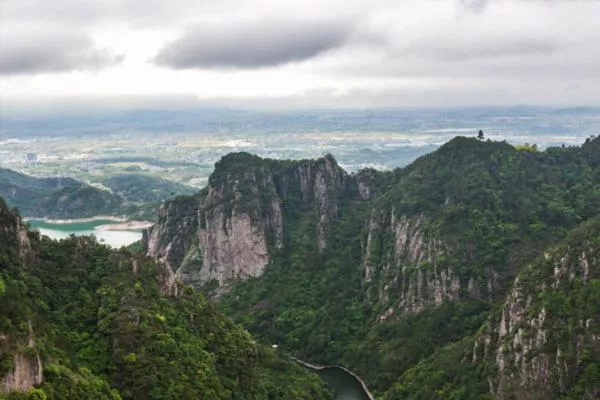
(344, 385)
(112, 238)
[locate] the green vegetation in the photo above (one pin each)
(102, 329)
(477, 213)
(470, 274)
(135, 195)
(55, 197)
(137, 188)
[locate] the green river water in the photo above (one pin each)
(116, 239)
(344, 385)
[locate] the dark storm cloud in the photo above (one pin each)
(253, 45)
(51, 52)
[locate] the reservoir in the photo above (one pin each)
(113, 238)
(344, 385)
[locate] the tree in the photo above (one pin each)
(480, 135)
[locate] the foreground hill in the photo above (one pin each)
(79, 321)
(412, 277)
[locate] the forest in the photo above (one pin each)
(96, 321)
(415, 279)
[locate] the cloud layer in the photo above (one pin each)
(253, 44)
(285, 52)
(51, 51)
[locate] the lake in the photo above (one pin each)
(115, 239)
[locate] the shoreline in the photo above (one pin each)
(120, 223)
(317, 367)
(78, 220)
(125, 226)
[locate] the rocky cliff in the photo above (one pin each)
(546, 336)
(402, 262)
(228, 231)
(26, 366)
(17, 348)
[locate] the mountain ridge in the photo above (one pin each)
(379, 271)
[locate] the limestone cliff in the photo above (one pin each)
(228, 231)
(548, 330)
(13, 233)
(404, 264)
(26, 370)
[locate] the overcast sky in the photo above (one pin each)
(298, 53)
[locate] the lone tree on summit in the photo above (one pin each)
(480, 135)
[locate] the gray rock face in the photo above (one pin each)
(26, 371)
(402, 264)
(321, 181)
(172, 237)
(227, 232)
(521, 341)
(13, 232)
(234, 236)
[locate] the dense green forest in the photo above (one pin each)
(415, 278)
(93, 323)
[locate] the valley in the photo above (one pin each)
(401, 276)
(459, 275)
(299, 200)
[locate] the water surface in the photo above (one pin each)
(115, 239)
(344, 385)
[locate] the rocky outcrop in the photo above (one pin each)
(227, 232)
(26, 370)
(537, 345)
(172, 237)
(240, 220)
(404, 262)
(13, 231)
(321, 182)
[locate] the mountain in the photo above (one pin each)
(134, 195)
(138, 188)
(406, 276)
(55, 197)
(79, 321)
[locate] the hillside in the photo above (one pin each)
(133, 195)
(393, 274)
(79, 321)
(138, 188)
(55, 197)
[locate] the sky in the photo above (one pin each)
(94, 54)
